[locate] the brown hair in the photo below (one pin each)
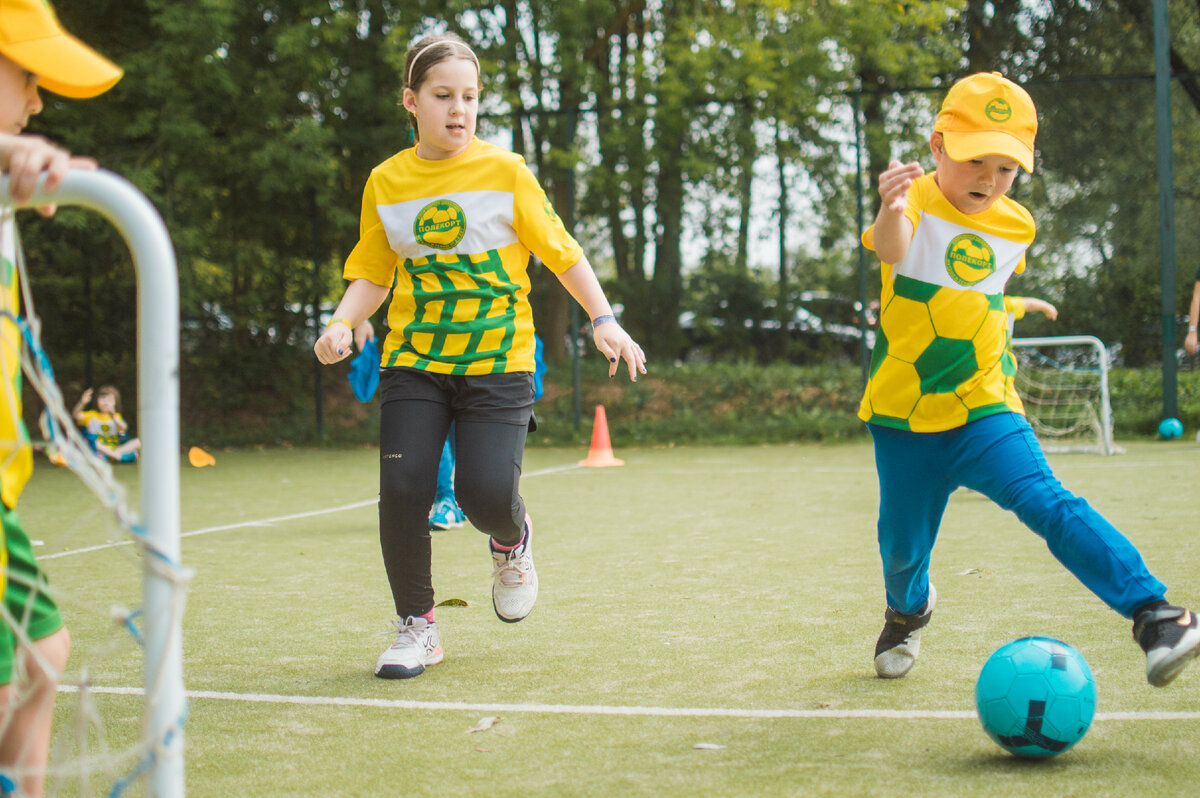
(110, 390)
(426, 53)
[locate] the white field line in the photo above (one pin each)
(268, 521)
(596, 709)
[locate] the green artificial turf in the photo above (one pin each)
(744, 580)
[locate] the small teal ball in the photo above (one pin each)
(1170, 429)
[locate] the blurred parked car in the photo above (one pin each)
(823, 326)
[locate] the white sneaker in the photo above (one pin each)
(1170, 636)
(899, 643)
(514, 580)
(418, 643)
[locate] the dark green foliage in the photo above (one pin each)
(721, 403)
(1137, 401)
(731, 402)
(252, 126)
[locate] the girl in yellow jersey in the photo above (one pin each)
(451, 223)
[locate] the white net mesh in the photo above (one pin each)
(90, 542)
(1063, 383)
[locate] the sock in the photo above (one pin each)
(428, 616)
(505, 549)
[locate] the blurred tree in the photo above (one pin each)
(253, 125)
(1097, 181)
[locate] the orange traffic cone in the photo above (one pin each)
(601, 453)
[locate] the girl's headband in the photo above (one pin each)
(451, 42)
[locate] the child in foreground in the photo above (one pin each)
(34, 50)
(452, 222)
(940, 401)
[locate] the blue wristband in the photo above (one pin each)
(605, 319)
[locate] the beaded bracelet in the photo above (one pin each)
(605, 319)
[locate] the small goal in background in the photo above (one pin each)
(1063, 382)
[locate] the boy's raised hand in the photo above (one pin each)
(894, 183)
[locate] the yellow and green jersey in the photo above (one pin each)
(103, 427)
(1014, 310)
(16, 454)
(941, 356)
(452, 238)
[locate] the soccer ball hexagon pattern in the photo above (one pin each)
(932, 343)
(1036, 697)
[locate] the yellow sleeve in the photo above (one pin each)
(1015, 305)
(372, 257)
(912, 211)
(539, 227)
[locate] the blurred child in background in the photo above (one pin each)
(105, 427)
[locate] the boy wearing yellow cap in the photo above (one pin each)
(940, 401)
(34, 51)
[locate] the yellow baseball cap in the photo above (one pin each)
(987, 114)
(31, 35)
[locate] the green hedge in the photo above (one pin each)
(718, 403)
(1136, 396)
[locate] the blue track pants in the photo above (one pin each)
(1000, 457)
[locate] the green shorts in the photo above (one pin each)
(32, 609)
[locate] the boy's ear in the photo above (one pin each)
(937, 145)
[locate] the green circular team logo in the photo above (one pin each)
(969, 259)
(441, 224)
(998, 110)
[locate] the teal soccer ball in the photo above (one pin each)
(1170, 429)
(1036, 697)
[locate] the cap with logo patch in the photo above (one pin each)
(988, 114)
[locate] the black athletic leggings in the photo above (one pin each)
(493, 415)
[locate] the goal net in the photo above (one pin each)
(1063, 382)
(112, 571)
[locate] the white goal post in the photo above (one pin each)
(1063, 383)
(143, 231)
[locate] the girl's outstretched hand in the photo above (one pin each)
(614, 343)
